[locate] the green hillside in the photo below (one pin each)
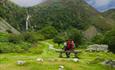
(13, 14)
(57, 13)
(34, 38)
(110, 14)
(67, 13)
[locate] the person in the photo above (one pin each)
(70, 47)
(65, 45)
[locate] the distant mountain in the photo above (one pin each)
(110, 14)
(64, 13)
(61, 14)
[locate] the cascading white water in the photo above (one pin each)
(27, 22)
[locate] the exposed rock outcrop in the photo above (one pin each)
(109, 63)
(90, 32)
(97, 47)
(5, 27)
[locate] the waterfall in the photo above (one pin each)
(27, 21)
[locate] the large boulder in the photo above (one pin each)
(97, 47)
(109, 63)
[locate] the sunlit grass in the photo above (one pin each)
(52, 60)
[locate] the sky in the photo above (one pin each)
(27, 3)
(100, 5)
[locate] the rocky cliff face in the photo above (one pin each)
(5, 27)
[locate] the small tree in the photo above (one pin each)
(60, 38)
(75, 35)
(49, 32)
(98, 39)
(109, 39)
(29, 37)
(14, 38)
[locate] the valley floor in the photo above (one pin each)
(51, 61)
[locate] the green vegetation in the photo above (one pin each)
(57, 13)
(14, 48)
(18, 43)
(32, 37)
(87, 62)
(98, 39)
(3, 37)
(13, 14)
(110, 14)
(49, 32)
(109, 39)
(61, 38)
(75, 35)
(52, 23)
(11, 52)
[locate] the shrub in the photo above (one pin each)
(49, 32)
(98, 39)
(14, 38)
(32, 37)
(22, 47)
(60, 38)
(7, 47)
(37, 49)
(4, 37)
(109, 39)
(75, 35)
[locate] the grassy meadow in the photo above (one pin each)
(51, 60)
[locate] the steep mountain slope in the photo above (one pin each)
(62, 14)
(68, 13)
(13, 14)
(5, 27)
(110, 14)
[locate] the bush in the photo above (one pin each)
(49, 32)
(60, 38)
(98, 39)
(38, 49)
(75, 35)
(4, 37)
(7, 47)
(32, 37)
(109, 39)
(12, 38)
(23, 47)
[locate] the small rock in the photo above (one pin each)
(20, 62)
(61, 67)
(76, 60)
(51, 47)
(39, 60)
